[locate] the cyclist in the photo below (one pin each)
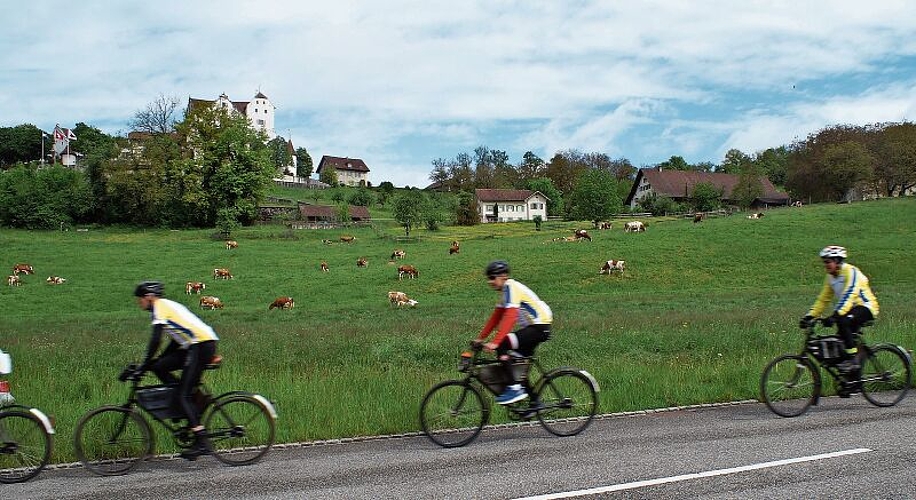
(854, 303)
(192, 346)
(517, 305)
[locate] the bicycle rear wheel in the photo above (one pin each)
(886, 375)
(453, 413)
(112, 440)
(789, 385)
(25, 446)
(241, 430)
(570, 402)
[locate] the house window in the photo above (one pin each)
(261, 122)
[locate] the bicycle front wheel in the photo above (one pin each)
(241, 430)
(570, 402)
(25, 446)
(112, 440)
(789, 385)
(453, 413)
(886, 376)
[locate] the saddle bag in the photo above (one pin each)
(159, 401)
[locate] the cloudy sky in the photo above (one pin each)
(400, 83)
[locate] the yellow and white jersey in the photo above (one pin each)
(849, 288)
(182, 325)
(532, 310)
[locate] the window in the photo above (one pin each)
(261, 122)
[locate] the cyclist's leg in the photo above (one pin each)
(524, 342)
(848, 326)
(198, 356)
(171, 359)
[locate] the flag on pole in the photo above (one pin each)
(70, 135)
(61, 140)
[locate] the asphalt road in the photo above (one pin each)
(844, 448)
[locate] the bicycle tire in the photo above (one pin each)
(886, 375)
(241, 430)
(111, 440)
(25, 446)
(570, 402)
(453, 413)
(790, 384)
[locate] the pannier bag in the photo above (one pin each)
(159, 401)
(494, 376)
(827, 349)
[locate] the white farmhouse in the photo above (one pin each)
(259, 110)
(505, 205)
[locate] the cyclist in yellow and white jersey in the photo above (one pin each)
(192, 346)
(520, 306)
(854, 303)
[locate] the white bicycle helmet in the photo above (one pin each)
(833, 252)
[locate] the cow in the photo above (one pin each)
(362, 262)
(605, 225)
(698, 217)
(400, 299)
(454, 248)
(582, 234)
(634, 227)
(222, 274)
(55, 280)
(566, 238)
(327, 242)
(13, 280)
(282, 303)
(230, 244)
(613, 265)
(348, 239)
(324, 266)
(410, 271)
(398, 254)
(194, 287)
(797, 203)
(23, 268)
(210, 302)
(755, 216)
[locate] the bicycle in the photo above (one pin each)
(25, 439)
(454, 412)
(791, 383)
(113, 439)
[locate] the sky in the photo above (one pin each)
(401, 83)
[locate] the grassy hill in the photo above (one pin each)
(696, 316)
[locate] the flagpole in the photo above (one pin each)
(42, 148)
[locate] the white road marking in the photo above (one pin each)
(697, 475)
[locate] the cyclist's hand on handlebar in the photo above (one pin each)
(829, 321)
(490, 347)
(806, 322)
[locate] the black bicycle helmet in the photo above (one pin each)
(147, 288)
(496, 268)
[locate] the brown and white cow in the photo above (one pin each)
(222, 274)
(348, 239)
(362, 262)
(698, 217)
(282, 303)
(23, 268)
(634, 227)
(324, 266)
(613, 265)
(230, 244)
(13, 280)
(194, 287)
(755, 216)
(210, 302)
(455, 248)
(400, 299)
(55, 280)
(410, 271)
(398, 254)
(605, 225)
(582, 234)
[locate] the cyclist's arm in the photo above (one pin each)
(822, 301)
(510, 316)
(491, 323)
(153, 346)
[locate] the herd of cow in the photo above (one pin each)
(15, 280)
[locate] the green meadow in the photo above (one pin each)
(694, 319)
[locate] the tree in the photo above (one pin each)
(595, 197)
(385, 190)
(554, 197)
(407, 209)
(328, 176)
(159, 116)
(45, 198)
(675, 163)
(734, 162)
(21, 144)
(896, 148)
(466, 210)
(440, 173)
(531, 167)
(706, 197)
(304, 165)
(748, 188)
(362, 197)
(483, 168)
(564, 170)
(773, 163)
(846, 164)
(505, 176)
(280, 157)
